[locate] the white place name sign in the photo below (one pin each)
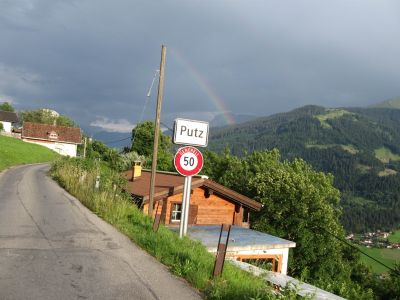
(191, 132)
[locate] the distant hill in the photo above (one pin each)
(113, 139)
(220, 120)
(120, 139)
(391, 103)
(359, 146)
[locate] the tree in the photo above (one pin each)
(46, 116)
(299, 204)
(5, 106)
(142, 143)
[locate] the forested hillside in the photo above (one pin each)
(359, 146)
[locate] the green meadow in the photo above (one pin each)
(387, 256)
(394, 237)
(16, 152)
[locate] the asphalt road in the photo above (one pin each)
(51, 247)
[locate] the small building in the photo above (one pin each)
(210, 202)
(8, 118)
(61, 139)
(247, 245)
(211, 205)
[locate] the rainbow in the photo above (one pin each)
(205, 86)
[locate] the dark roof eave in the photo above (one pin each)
(48, 140)
(219, 189)
(176, 190)
(232, 195)
(8, 116)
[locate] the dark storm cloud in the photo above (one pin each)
(94, 60)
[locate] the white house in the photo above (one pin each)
(7, 118)
(63, 140)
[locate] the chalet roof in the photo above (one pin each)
(168, 184)
(241, 239)
(8, 116)
(54, 133)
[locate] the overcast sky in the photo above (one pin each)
(94, 60)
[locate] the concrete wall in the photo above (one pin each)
(60, 148)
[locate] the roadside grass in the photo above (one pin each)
(184, 257)
(16, 152)
(395, 237)
(388, 256)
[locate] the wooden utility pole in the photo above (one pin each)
(157, 129)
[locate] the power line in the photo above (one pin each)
(142, 113)
(166, 126)
(359, 250)
(115, 141)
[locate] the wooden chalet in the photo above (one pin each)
(210, 202)
(211, 205)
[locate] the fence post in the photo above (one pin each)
(221, 250)
(97, 183)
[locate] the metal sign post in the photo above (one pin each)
(188, 162)
(185, 206)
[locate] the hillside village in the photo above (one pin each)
(378, 239)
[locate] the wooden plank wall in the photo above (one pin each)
(211, 210)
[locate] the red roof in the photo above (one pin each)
(54, 133)
(8, 116)
(168, 184)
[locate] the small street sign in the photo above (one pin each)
(191, 132)
(188, 161)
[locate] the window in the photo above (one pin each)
(176, 212)
(53, 135)
(246, 215)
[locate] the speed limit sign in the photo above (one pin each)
(188, 161)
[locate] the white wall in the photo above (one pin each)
(6, 126)
(60, 148)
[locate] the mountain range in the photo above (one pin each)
(359, 146)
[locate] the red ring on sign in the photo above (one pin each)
(180, 168)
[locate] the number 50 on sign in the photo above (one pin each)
(188, 161)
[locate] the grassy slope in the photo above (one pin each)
(385, 155)
(16, 152)
(395, 237)
(391, 103)
(387, 256)
(331, 114)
